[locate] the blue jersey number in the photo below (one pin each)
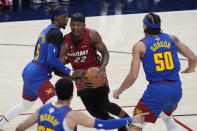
(164, 61)
(37, 52)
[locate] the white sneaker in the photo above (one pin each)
(3, 121)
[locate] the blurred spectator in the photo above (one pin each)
(144, 5)
(117, 7)
(14, 10)
(190, 4)
(172, 5)
(87, 7)
(111, 7)
(5, 4)
(4, 17)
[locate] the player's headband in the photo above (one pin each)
(60, 12)
(157, 25)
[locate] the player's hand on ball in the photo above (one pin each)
(95, 76)
(98, 72)
(78, 73)
(84, 81)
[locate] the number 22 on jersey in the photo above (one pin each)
(164, 61)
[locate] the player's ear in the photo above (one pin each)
(144, 26)
(55, 18)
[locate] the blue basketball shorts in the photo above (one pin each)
(36, 83)
(159, 97)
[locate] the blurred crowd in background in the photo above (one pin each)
(17, 10)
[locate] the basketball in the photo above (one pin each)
(97, 81)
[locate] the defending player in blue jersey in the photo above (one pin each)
(58, 116)
(37, 73)
(158, 54)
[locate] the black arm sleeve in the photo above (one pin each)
(55, 37)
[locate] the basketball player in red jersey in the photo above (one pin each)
(80, 48)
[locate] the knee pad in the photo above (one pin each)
(164, 116)
(169, 122)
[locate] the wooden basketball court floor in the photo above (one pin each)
(119, 33)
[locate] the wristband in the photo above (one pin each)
(112, 123)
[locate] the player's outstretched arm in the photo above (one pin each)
(137, 53)
(75, 118)
(79, 118)
(186, 52)
(30, 121)
(139, 118)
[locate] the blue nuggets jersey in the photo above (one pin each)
(51, 118)
(41, 49)
(160, 61)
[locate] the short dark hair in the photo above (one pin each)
(54, 10)
(64, 89)
(153, 19)
(78, 17)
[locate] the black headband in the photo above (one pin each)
(79, 19)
